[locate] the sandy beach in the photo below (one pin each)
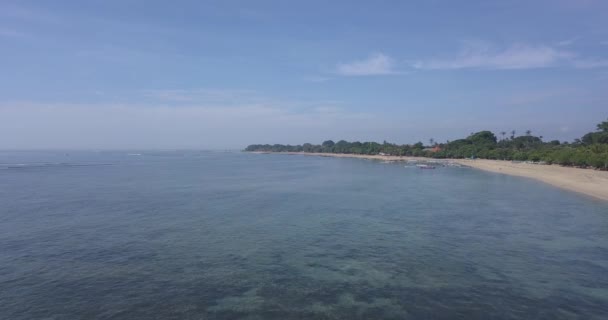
(587, 181)
(593, 183)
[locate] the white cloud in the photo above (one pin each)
(376, 64)
(203, 95)
(481, 55)
(316, 79)
(485, 57)
(590, 63)
(568, 42)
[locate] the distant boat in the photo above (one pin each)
(425, 166)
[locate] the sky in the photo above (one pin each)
(124, 74)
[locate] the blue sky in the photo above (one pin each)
(224, 74)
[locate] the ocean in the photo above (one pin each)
(231, 235)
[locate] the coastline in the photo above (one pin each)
(585, 181)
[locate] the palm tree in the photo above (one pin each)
(503, 134)
(512, 134)
(528, 133)
(432, 141)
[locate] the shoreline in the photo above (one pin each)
(590, 182)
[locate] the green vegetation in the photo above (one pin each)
(591, 151)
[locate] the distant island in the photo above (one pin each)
(590, 151)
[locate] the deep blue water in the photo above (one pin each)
(204, 235)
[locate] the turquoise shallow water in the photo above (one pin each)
(203, 235)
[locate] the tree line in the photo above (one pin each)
(590, 151)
